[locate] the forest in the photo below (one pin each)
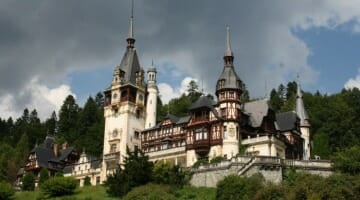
(335, 127)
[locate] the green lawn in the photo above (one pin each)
(98, 192)
(84, 193)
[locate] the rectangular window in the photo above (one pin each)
(231, 95)
(223, 112)
(137, 114)
(97, 180)
(136, 135)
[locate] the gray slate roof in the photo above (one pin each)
(256, 110)
(286, 121)
(130, 65)
(43, 155)
(203, 101)
(231, 78)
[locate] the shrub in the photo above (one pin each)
(216, 159)
(28, 182)
(6, 191)
(59, 174)
(305, 186)
(150, 192)
(236, 187)
(59, 186)
(200, 162)
(44, 176)
(348, 160)
(162, 172)
(87, 181)
(271, 191)
(339, 186)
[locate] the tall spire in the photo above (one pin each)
(228, 51)
(228, 57)
(131, 38)
(300, 108)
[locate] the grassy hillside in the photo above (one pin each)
(98, 192)
(84, 193)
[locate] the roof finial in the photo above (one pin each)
(131, 39)
(228, 47)
(298, 89)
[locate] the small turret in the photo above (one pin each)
(300, 109)
(228, 79)
(151, 98)
(304, 123)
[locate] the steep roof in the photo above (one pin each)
(256, 110)
(228, 78)
(130, 65)
(183, 120)
(286, 121)
(203, 101)
(43, 155)
(172, 118)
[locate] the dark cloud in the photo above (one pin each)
(45, 40)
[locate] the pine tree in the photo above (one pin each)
(68, 119)
(44, 176)
(99, 99)
(51, 124)
(137, 171)
(28, 182)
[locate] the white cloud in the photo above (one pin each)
(353, 82)
(40, 97)
(167, 92)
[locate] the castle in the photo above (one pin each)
(212, 128)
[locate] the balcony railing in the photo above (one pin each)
(112, 156)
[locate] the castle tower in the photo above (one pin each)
(124, 108)
(228, 93)
(304, 123)
(151, 102)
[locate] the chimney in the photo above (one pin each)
(64, 145)
(55, 149)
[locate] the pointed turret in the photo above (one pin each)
(304, 122)
(228, 78)
(129, 66)
(300, 109)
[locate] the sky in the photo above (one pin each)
(50, 49)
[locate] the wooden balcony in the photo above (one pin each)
(202, 147)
